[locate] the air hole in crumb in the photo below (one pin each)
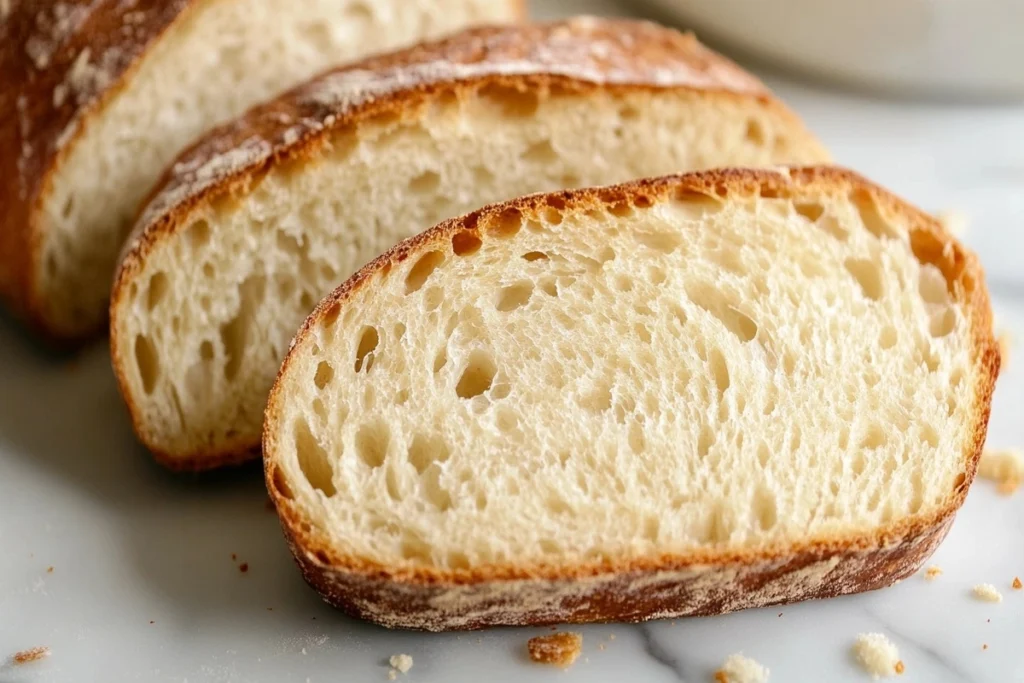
(540, 153)
(148, 362)
(932, 285)
(198, 234)
(763, 454)
(930, 436)
(324, 374)
(552, 216)
(599, 398)
(511, 102)
(705, 441)
(755, 132)
(812, 211)
(664, 242)
(319, 409)
(621, 210)
(874, 437)
(718, 304)
(372, 441)
(765, 508)
(888, 337)
(535, 256)
(414, 549)
(477, 376)
(720, 370)
(514, 296)
(465, 243)
(208, 270)
(871, 216)
(368, 341)
(652, 527)
(506, 224)
(206, 350)
(392, 485)
(158, 286)
(235, 333)
(942, 324)
(331, 316)
(959, 482)
(281, 484)
(868, 275)
(425, 183)
(424, 451)
(859, 463)
(313, 460)
(422, 269)
(441, 359)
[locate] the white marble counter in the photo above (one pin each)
(144, 588)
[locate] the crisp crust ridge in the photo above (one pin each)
(702, 582)
(637, 55)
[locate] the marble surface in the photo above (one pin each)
(143, 586)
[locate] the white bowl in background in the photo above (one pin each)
(972, 48)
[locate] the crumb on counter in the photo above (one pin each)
(900, 668)
(984, 646)
(33, 654)
(933, 572)
(1005, 467)
(987, 592)
(49, 570)
(244, 567)
(877, 655)
(401, 662)
(560, 649)
(392, 674)
(234, 557)
(1017, 585)
(740, 669)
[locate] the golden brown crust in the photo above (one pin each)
(702, 582)
(578, 55)
(58, 63)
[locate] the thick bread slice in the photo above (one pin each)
(680, 396)
(96, 98)
(265, 216)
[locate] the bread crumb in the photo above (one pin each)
(234, 556)
(987, 592)
(876, 654)
(984, 646)
(49, 570)
(740, 669)
(1017, 585)
(933, 572)
(1005, 467)
(401, 662)
(611, 636)
(392, 674)
(900, 668)
(33, 654)
(560, 649)
(954, 221)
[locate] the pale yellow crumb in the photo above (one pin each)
(933, 572)
(987, 592)
(740, 669)
(401, 662)
(954, 221)
(392, 674)
(877, 655)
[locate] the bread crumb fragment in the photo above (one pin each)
(392, 674)
(244, 567)
(33, 654)
(740, 669)
(900, 668)
(1017, 585)
(560, 649)
(877, 655)
(987, 592)
(1005, 467)
(933, 572)
(984, 646)
(401, 662)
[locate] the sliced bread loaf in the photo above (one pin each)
(680, 396)
(261, 219)
(96, 98)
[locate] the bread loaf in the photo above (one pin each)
(96, 98)
(680, 396)
(263, 217)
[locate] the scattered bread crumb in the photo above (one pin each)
(900, 668)
(984, 646)
(244, 567)
(33, 654)
(49, 570)
(600, 646)
(392, 674)
(234, 557)
(933, 572)
(954, 221)
(611, 636)
(1017, 585)
(560, 649)
(401, 662)
(877, 655)
(740, 669)
(987, 592)
(1005, 467)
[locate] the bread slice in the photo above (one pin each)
(96, 98)
(680, 396)
(267, 215)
